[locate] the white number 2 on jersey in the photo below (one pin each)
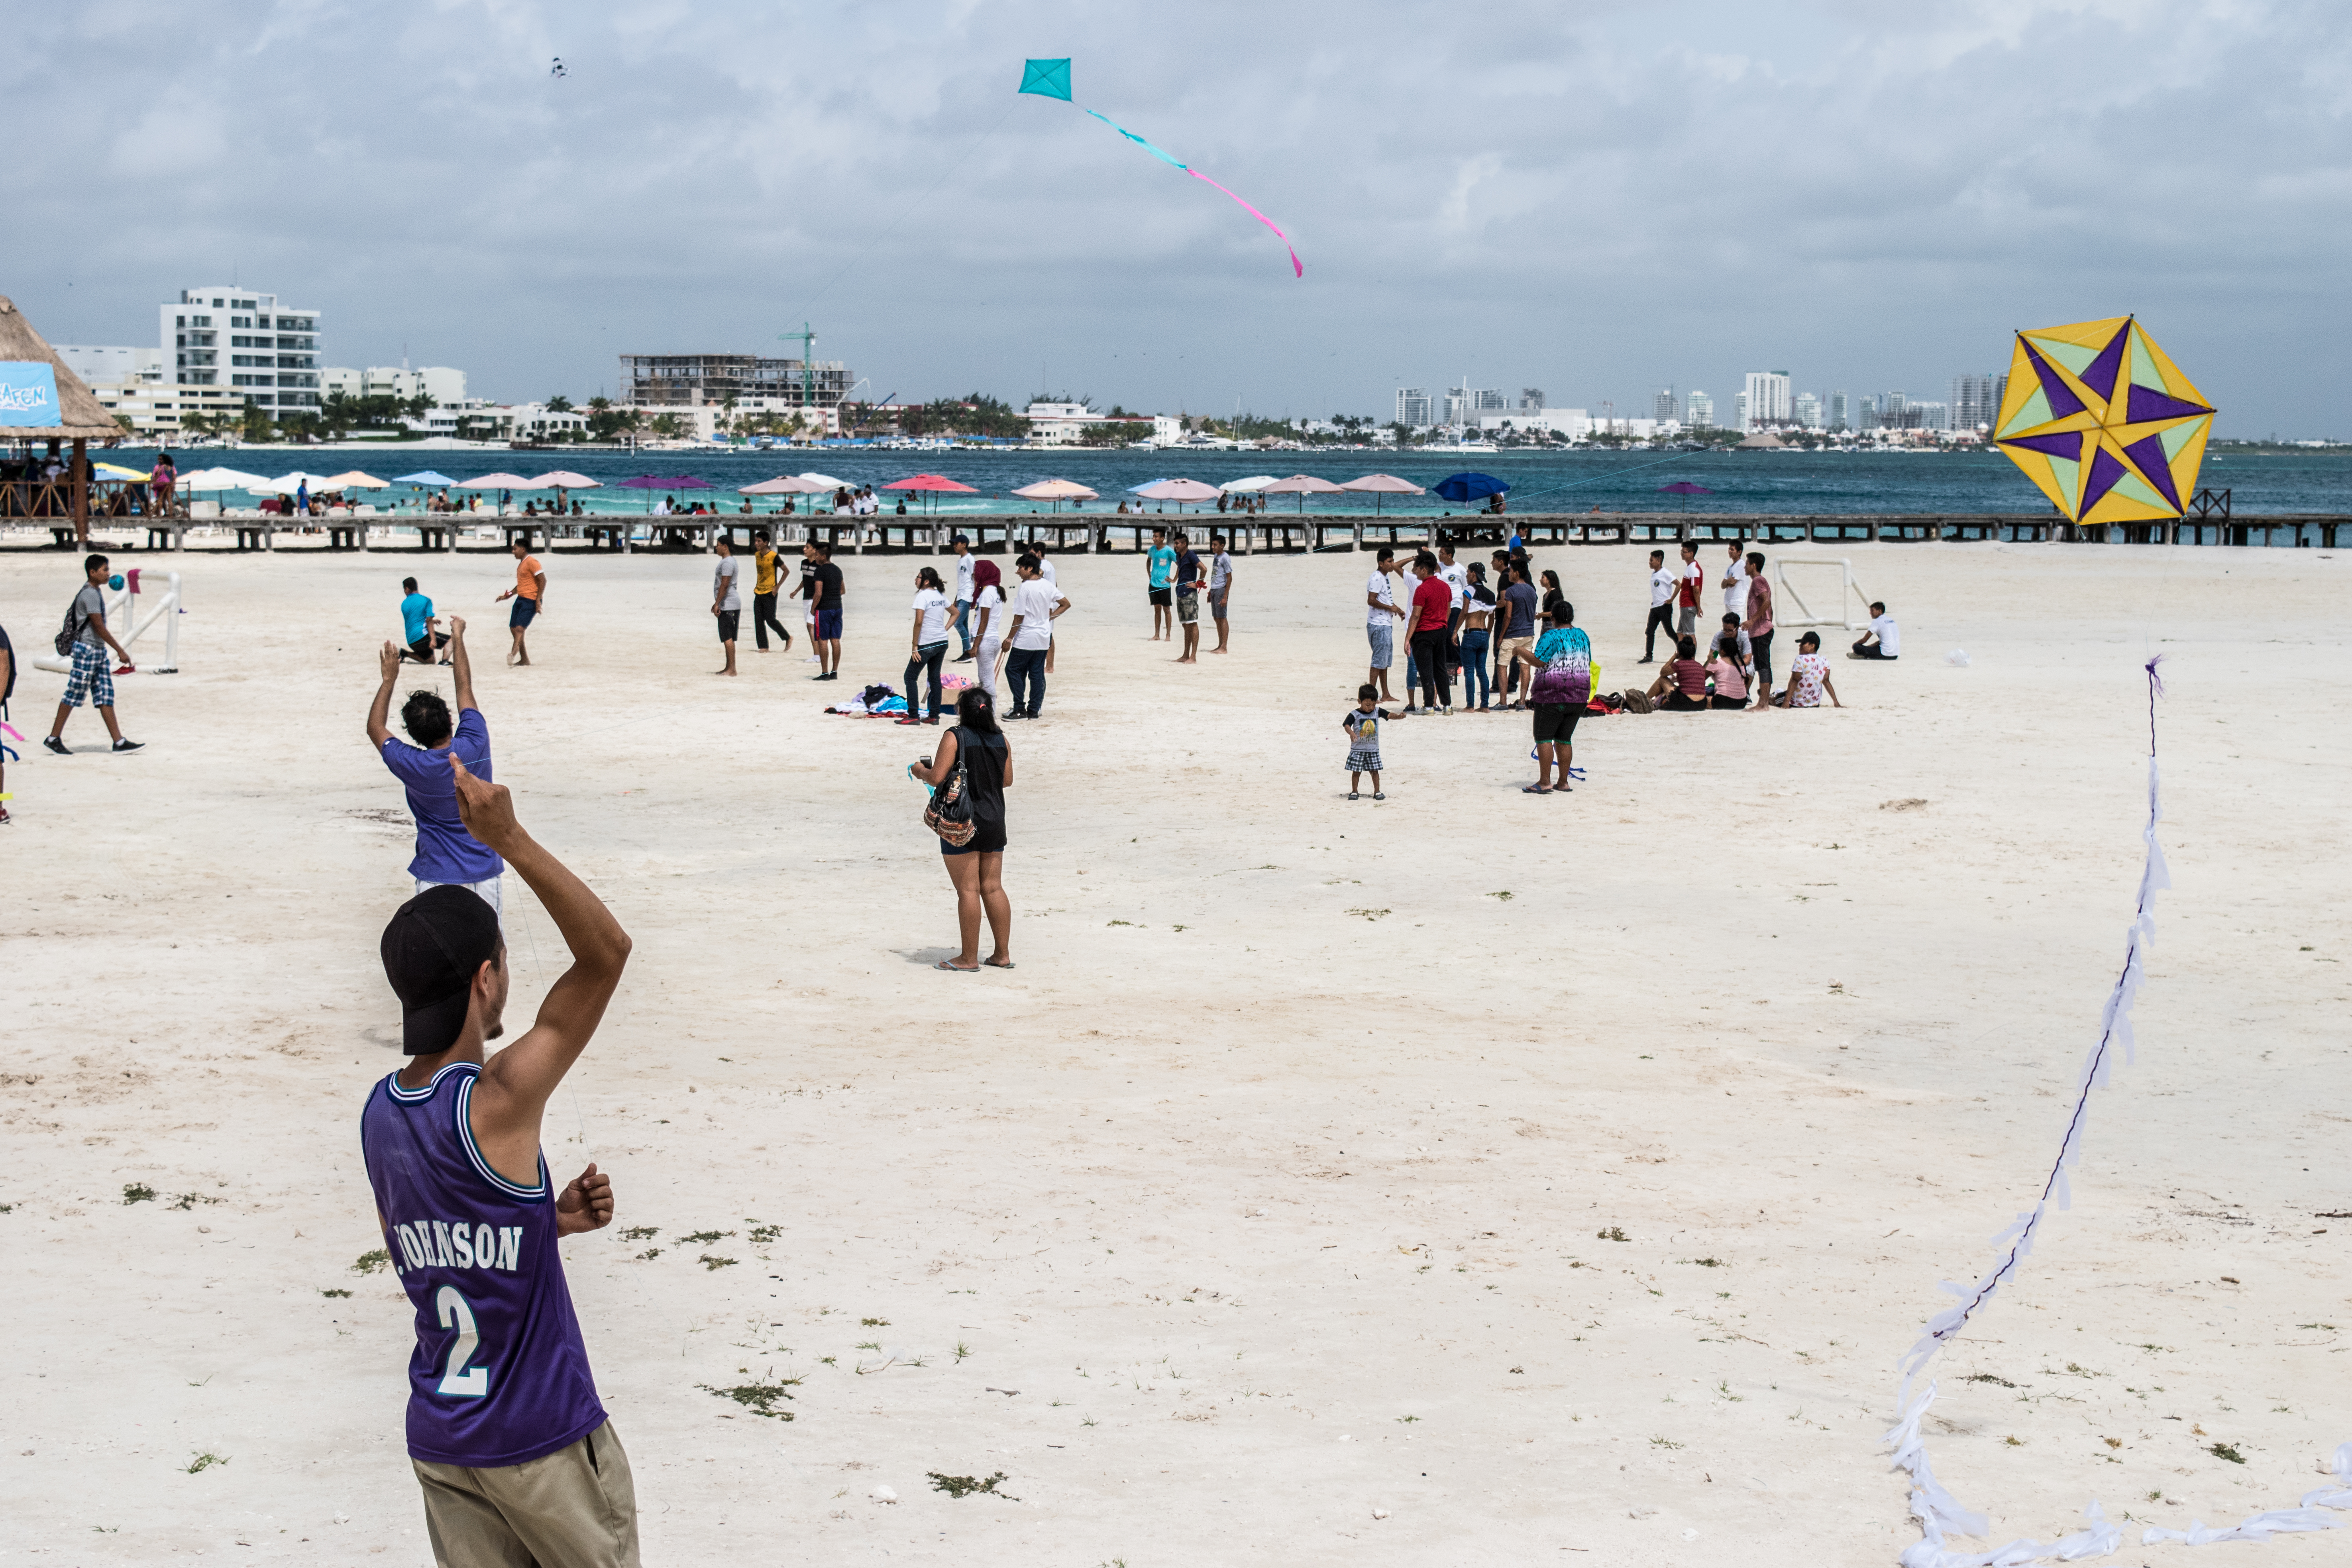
(457, 1379)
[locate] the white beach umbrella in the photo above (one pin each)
(354, 480)
(497, 482)
(826, 481)
(1254, 483)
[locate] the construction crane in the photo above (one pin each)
(807, 340)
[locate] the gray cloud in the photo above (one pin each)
(1594, 202)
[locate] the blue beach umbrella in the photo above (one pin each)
(427, 478)
(1469, 486)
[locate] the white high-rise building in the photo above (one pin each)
(1839, 419)
(1662, 404)
(1976, 401)
(1809, 410)
(1413, 406)
(1698, 411)
(235, 337)
(1768, 400)
(117, 366)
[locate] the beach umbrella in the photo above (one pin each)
(1378, 486)
(426, 479)
(286, 484)
(930, 485)
(356, 480)
(1178, 490)
(1254, 484)
(117, 471)
(496, 482)
(1685, 490)
(1302, 486)
(826, 481)
(1469, 486)
(1139, 489)
(563, 480)
(220, 480)
(1056, 492)
(788, 485)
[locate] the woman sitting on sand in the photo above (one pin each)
(1731, 675)
(1681, 687)
(1809, 677)
(976, 867)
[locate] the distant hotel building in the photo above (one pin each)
(1699, 411)
(1976, 401)
(689, 381)
(1412, 408)
(1809, 410)
(113, 366)
(1766, 403)
(226, 336)
(1662, 405)
(445, 385)
(1838, 416)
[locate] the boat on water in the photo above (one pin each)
(1460, 446)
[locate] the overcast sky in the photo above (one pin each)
(1597, 201)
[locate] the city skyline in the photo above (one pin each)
(941, 236)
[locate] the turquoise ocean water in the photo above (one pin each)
(1786, 482)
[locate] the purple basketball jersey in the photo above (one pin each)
(500, 1375)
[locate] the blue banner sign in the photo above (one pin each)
(29, 394)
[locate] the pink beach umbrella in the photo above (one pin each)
(930, 485)
(1179, 490)
(1380, 485)
(1302, 486)
(1056, 492)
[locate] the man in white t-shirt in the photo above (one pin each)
(1883, 640)
(1456, 578)
(726, 599)
(1035, 604)
(1663, 581)
(1380, 615)
(1690, 588)
(1735, 583)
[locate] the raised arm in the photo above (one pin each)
(460, 666)
(379, 719)
(516, 1083)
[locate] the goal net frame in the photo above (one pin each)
(1786, 598)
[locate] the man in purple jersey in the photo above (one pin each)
(506, 1433)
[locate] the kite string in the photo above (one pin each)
(895, 222)
(1939, 1513)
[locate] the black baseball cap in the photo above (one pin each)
(433, 947)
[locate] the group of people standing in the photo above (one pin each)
(1174, 576)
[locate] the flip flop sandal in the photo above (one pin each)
(993, 965)
(1533, 789)
(954, 968)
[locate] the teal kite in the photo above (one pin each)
(1051, 78)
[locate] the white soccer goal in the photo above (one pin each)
(123, 619)
(1786, 598)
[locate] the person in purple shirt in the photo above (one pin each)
(445, 852)
(512, 1448)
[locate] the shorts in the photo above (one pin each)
(1556, 722)
(1364, 762)
(90, 677)
(987, 838)
(1188, 606)
(828, 623)
(1217, 597)
(580, 1503)
(1162, 595)
(525, 612)
(488, 892)
(1383, 640)
(1506, 652)
(423, 649)
(728, 621)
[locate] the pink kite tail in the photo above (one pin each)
(1297, 268)
(10, 727)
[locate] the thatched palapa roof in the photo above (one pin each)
(83, 419)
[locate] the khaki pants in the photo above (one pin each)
(576, 1508)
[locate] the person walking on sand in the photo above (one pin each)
(419, 626)
(1160, 576)
(1362, 724)
(930, 641)
(976, 868)
(1221, 589)
(90, 680)
(726, 598)
(826, 601)
(446, 854)
(1381, 622)
(994, 614)
(965, 564)
(1663, 587)
(513, 1451)
(1759, 627)
(764, 561)
(529, 595)
(1188, 604)
(1037, 604)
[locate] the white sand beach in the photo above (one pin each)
(1270, 1194)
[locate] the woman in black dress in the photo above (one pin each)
(976, 867)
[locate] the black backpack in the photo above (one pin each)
(70, 632)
